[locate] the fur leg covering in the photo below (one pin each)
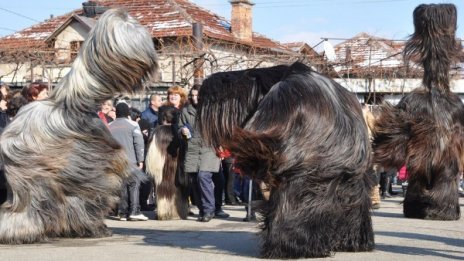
(307, 140)
(432, 154)
(164, 164)
(63, 169)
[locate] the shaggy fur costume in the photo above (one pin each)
(164, 163)
(425, 130)
(64, 170)
(304, 136)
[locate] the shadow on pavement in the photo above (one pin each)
(420, 251)
(237, 243)
(387, 215)
(425, 237)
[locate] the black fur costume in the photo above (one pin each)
(425, 130)
(304, 135)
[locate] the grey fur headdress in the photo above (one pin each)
(117, 57)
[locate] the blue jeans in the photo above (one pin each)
(205, 182)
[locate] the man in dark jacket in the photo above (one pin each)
(128, 134)
(150, 114)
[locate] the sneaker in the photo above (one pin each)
(139, 217)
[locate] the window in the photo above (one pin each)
(75, 46)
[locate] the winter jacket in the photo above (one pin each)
(198, 157)
(128, 134)
(151, 116)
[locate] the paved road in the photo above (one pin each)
(397, 238)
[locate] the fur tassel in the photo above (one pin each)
(164, 164)
(393, 130)
(255, 154)
(156, 157)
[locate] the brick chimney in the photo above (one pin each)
(241, 21)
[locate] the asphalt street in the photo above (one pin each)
(397, 238)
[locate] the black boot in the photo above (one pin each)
(384, 183)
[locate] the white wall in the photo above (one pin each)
(74, 32)
(380, 85)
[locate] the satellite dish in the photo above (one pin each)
(329, 51)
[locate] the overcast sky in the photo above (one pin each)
(281, 20)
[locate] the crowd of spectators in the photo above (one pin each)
(210, 175)
(212, 179)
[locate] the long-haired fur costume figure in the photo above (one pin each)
(304, 135)
(63, 168)
(164, 162)
(425, 130)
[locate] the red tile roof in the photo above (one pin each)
(163, 18)
(295, 46)
(33, 36)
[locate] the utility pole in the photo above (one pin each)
(198, 73)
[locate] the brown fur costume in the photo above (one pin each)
(425, 130)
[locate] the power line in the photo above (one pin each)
(7, 29)
(18, 14)
(264, 4)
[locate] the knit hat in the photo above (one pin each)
(122, 110)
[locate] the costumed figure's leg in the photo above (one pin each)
(434, 198)
(375, 192)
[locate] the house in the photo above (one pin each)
(309, 56)
(375, 70)
(191, 41)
